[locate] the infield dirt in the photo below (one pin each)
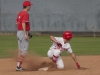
(90, 66)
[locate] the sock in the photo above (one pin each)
(19, 63)
(20, 59)
(54, 58)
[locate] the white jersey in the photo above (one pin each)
(65, 46)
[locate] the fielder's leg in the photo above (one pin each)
(23, 47)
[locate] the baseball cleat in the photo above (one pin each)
(43, 69)
(19, 68)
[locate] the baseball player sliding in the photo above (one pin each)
(23, 35)
(59, 45)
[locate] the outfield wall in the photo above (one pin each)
(53, 15)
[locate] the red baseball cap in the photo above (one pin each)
(27, 3)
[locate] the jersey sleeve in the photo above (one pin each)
(69, 49)
(58, 39)
(25, 18)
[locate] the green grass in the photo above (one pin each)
(41, 44)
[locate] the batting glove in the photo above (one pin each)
(78, 66)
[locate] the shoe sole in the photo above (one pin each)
(21, 70)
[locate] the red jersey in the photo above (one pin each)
(23, 16)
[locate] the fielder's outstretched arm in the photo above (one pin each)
(75, 59)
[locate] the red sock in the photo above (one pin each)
(54, 58)
(20, 59)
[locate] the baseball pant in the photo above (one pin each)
(59, 61)
(22, 43)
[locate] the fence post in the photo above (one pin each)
(0, 16)
(94, 34)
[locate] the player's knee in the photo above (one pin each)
(60, 66)
(49, 54)
(23, 53)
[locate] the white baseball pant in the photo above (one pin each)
(22, 43)
(59, 61)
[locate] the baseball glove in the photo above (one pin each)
(30, 35)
